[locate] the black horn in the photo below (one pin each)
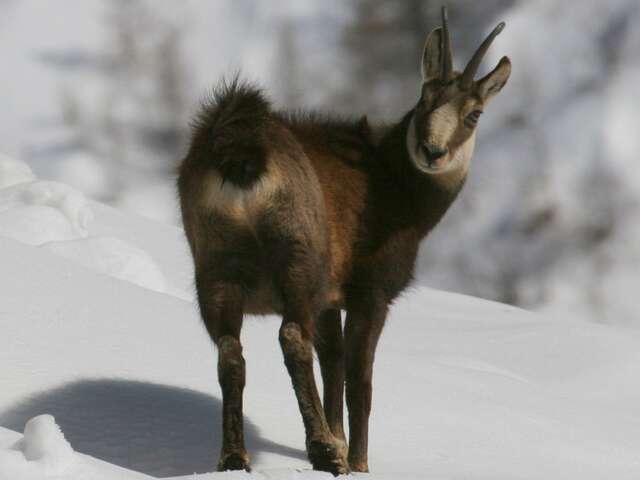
(473, 65)
(447, 55)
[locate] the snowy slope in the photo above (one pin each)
(464, 388)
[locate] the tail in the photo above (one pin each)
(231, 129)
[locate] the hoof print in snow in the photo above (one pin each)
(234, 461)
(328, 457)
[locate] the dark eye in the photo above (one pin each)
(471, 120)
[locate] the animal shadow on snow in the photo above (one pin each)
(156, 429)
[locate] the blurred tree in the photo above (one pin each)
(289, 81)
(139, 120)
(145, 109)
(383, 45)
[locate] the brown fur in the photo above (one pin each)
(304, 216)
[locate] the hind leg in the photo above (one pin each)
(300, 296)
(325, 451)
(329, 345)
(221, 306)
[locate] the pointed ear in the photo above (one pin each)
(491, 84)
(432, 56)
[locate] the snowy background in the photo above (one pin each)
(98, 94)
(96, 314)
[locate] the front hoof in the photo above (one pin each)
(329, 456)
(237, 460)
(361, 467)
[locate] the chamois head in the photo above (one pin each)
(441, 134)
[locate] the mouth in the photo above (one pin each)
(427, 167)
(431, 162)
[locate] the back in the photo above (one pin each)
(251, 198)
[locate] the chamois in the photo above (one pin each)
(305, 216)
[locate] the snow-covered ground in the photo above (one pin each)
(100, 337)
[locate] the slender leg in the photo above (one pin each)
(299, 270)
(325, 451)
(221, 306)
(231, 374)
(330, 347)
(300, 282)
(365, 319)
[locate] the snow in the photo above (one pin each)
(554, 168)
(41, 211)
(98, 323)
(464, 388)
(58, 459)
(58, 218)
(44, 442)
(43, 452)
(13, 172)
(114, 257)
(85, 172)
(157, 201)
(35, 225)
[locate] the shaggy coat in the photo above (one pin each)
(306, 216)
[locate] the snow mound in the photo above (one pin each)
(114, 257)
(43, 452)
(43, 442)
(35, 225)
(57, 218)
(37, 212)
(13, 172)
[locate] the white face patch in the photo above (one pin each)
(456, 166)
(442, 124)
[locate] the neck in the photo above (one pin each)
(420, 198)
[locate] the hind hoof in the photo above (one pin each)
(238, 460)
(329, 456)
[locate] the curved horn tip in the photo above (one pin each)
(474, 63)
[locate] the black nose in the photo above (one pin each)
(432, 152)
